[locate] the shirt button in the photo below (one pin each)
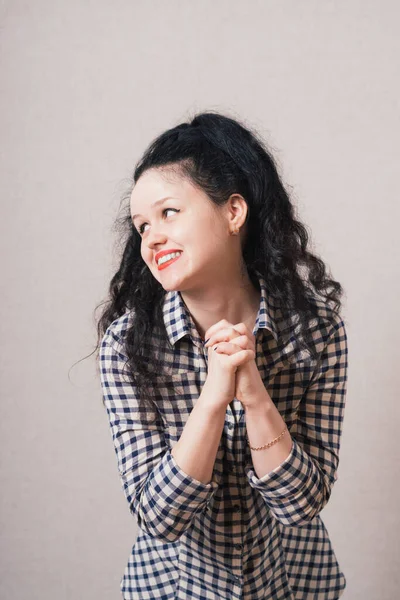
(230, 425)
(238, 546)
(237, 509)
(233, 469)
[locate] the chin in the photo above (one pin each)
(170, 288)
(169, 284)
(174, 284)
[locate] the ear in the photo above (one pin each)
(237, 210)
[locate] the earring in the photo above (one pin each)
(235, 231)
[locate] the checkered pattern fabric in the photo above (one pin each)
(239, 536)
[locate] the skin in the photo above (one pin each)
(209, 273)
(223, 304)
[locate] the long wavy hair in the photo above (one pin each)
(221, 156)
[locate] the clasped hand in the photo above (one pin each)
(247, 376)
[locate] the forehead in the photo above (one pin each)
(153, 186)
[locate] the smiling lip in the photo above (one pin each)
(169, 262)
(164, 252)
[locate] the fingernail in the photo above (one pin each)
(215, 347)
(207, 340)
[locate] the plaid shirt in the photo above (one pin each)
(238, 536)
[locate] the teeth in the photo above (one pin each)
(167, 257)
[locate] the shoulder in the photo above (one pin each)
(324, 326)
(117, 330)
(328, 319)
(328, 327)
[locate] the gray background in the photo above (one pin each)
(85, 85)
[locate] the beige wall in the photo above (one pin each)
(85, 85)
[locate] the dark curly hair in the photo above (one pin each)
(221, 156)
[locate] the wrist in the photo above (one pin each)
(259, 403)
(215, 404)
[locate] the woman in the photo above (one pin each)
(224, 375)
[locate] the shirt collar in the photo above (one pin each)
(179, 322)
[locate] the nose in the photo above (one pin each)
(155, 238)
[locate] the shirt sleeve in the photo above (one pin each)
(298, 489)
(162, 497)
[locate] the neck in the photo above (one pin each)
(236, 302)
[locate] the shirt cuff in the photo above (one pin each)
(287, 478)
(177, 489)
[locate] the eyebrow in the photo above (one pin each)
(156, 203)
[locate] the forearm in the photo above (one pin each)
(196, 450)
(264, 423)
(290, 481)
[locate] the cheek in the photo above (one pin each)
(147, 257)
(204, 228)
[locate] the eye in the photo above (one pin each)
(140, 229)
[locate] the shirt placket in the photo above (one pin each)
(233, 457)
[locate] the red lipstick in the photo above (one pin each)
(169, 262)
(164, 252)
(164, 265)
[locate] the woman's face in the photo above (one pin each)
(186, 222)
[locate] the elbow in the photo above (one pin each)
(157, 526)
(158, 530)
(161, 520)
(302, 511)
(299, 519)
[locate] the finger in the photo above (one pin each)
(247, 343)
(225, 347)
(216, 327)
(223, 323)
(242, 341)
(243, 329)
(223, 335)
(237, 355)
(243, 356)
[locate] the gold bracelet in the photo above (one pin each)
(269, 443)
